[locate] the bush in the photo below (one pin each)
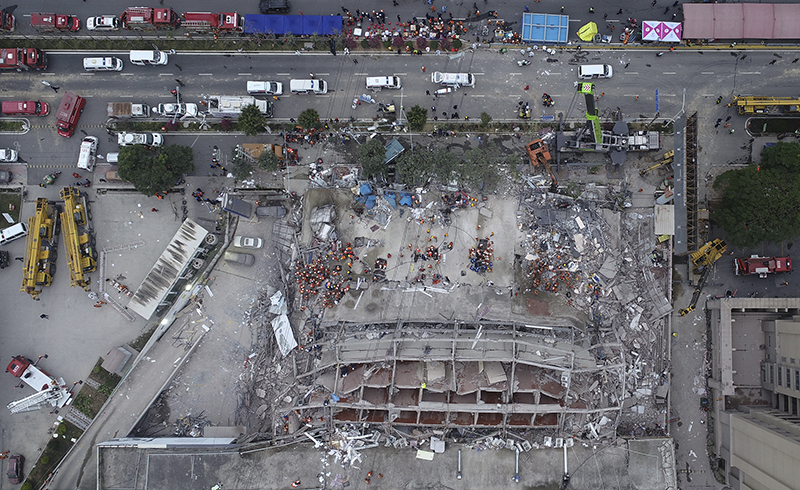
(308, 119)
(364, 44)
(371, 155)
(398, 42)
(26, 486)
(61, 430)
(434, 45)
(386, 43)
(422, 43)
(485, 119)
(350, 43)
(457, 43)
(374, 42)
(445, 44)
(417, 117)
(225, 124)
(45, 459)
(96, 369)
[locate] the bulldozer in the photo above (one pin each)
(703, 261)
(540, 155)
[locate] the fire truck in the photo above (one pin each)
(22, 59)
(49, 390)
(52, 22)
(212, 22)
(7, 21)
(762, 265)
(146, 18)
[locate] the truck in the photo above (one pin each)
(49, 390)
(7, 21)
(284, 153)
(762, 265)
(54, 22)
(212, 22)
(232, 105)
(147, 18)
(765, 105)
(122, 110)
(22, 59)
(40, 251)
(147, 139)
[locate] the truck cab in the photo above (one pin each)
(69, 112)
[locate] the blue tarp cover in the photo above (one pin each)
(405, 200)
(365, 189)
(296, 25)
(391, 199)
(545, 28)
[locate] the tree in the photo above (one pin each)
(759, 203)
(152, 171)
(372, 155)
(251, 120)
(479, 169)
(414, 169)
(268, 160)
(241, 168)
(443, 165)
(485, 119)
(308, 119)
(417, 117)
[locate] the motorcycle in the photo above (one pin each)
(547, 100)
(50, 178)
(523, 63)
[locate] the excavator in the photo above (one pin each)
(667, 159)
(704, 259)
(540, 155)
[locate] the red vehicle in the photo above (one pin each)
(14, 472)
(762, 265)
(145, 18)
(25, 108)
(22, 59)
(52, 22)
(208, 22)
(69, 112)
(7, 21)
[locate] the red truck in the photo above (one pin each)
(52, 22)
(212, 22)
(7, 21)
(145, 18)
(69, 111)
(25, 108)
(762, 265)
(22, 59)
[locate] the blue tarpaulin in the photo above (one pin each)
(391, 198)
(365, 189)
(545, 28)
(296, 25)
(405, 200)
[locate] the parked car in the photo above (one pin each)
(169, 110)
(5, 177)
(148, 139)
(247, 242)
(15, 463)
(103, 23)
(271, 211)
(273, 6)
(8, 155)
(239, 258)
(265, 88)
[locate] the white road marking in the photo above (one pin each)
(479, 95)
(478, 73)
(631, 72)
(515, 73)
(400, 74)
(166, 74)
(87, 74)
(668, 73)
(244, 74)
(750, 73)
(206, 74)
(360, 74)
(283, 74)
(706, 72)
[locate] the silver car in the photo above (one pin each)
(8, 155)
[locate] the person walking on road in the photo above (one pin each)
(44, 317)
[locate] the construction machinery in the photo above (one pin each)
(49, 390)
(78, 238)
(41, 250)
(765, 105)
(762, 266)
(540, 156)
(703, 260)
(667, 159)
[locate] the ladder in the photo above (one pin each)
(36, 401)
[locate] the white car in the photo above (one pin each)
(169, 110)
(8, 155)
(87, 156)
(247, 242)
(147, 139)
(103, 23)
(267, 88)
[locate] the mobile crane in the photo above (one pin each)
(78, 239)
(41, 250)
(704, 259)
(539, 155)
(765, 105)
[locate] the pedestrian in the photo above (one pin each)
(675, 4)
(637, 97)
(455, 107)
(672, 48)
(620, 12)
(180, 82)
(654, 3)
(433, 108)
(399, 20)
(154, 210)
(55, 89)
(355, 61)
(527, 87)
(727, 125)
(394, 2)
(562, 9)
(666, 10)
(605, 15)
(427, 92)
(527, 9)
(731, 130)
(728, 118)
(44, 317)
(591, 10)
(19, 258)
(423, 69)
(674, 14)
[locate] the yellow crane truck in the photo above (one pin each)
(41, 250)
(78, 239)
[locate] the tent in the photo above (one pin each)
(668, 32)
(588, 31)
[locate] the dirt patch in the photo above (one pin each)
(538, 307)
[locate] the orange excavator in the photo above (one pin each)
(540, 155)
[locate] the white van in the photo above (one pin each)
(453, 79)
(309, 85)
(149, 58)
(595, 71)
(106, 63)
(383, 82)
(87, 156)
(13, 232)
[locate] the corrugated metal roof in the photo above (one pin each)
(545, 28)
(162, 276)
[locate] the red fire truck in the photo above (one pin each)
(7, 22)
(762, 265)
(52, 22)
(212, 22)
(22, 59)
(145, 18)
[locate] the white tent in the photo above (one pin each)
(654, 30)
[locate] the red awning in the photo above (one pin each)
(741, 21)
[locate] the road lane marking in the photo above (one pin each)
(478, 73)
(631, 72)
(360, 74)
(206, 74)
(283, 74)
(481, 95)
(244, 74)
(515, 74)
(668, 73)
(166, 74)
(323, 74)
(87, 74)
(126, 74)
(750, 73)
(706, 72)
(400, 74)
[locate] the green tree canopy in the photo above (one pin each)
(241, 168)
(268, 160)
(156, 170)
(371, 155)
(759, 203)
(308, 119)
(251, 120)
(414, 168)
(417, 117)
